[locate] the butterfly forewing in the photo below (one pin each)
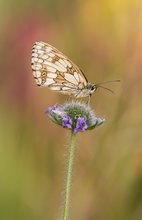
(53, 69)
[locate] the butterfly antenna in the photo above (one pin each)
(110, 81)
(106, 88)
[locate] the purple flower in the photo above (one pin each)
(66, 121)
(100, 120)
(55, 110)
(50, 109)
(74, 116)
(81, 125)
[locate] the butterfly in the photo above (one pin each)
(52, 69)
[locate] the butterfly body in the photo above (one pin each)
(52, 69)
(86, 91)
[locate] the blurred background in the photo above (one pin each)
(104, 38)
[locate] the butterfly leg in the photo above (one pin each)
(88, 102)
(79, 100)
(68, 99)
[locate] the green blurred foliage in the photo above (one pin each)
(105, 39)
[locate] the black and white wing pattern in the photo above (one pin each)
(51, 68)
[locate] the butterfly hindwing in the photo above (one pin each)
(53, 69)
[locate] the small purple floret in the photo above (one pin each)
(81, 125)
(50, 109)
(66, 122)
(100, 120)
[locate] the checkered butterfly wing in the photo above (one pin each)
(53, 69)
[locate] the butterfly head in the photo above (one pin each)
(91, 88)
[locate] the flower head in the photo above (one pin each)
(74, 115)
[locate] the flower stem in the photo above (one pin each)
(69, 176)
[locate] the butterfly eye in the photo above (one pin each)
(92, 88)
